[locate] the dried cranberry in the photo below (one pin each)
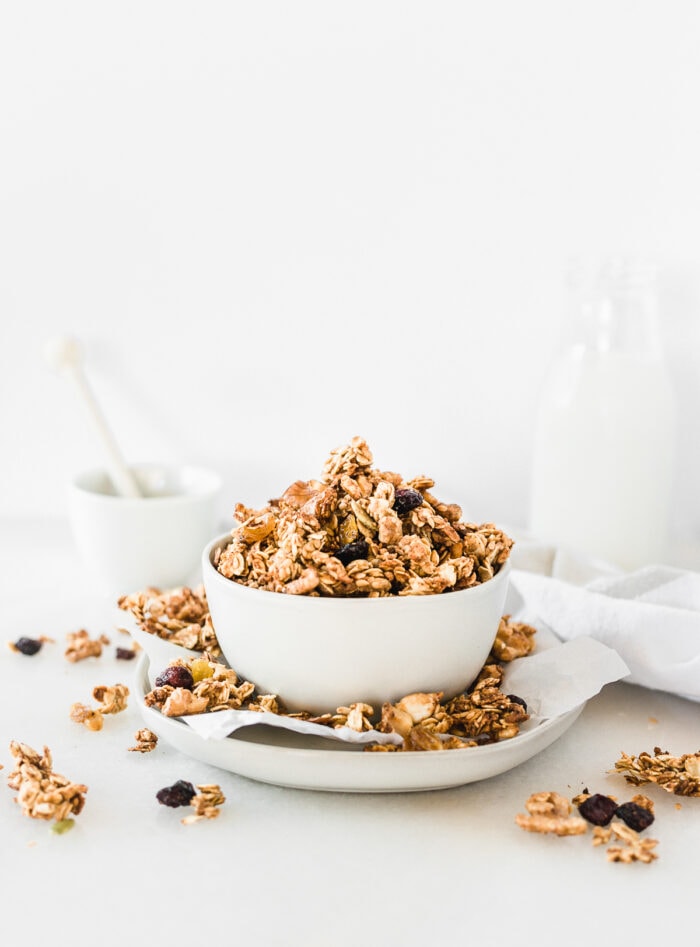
(407, 500)
(125, 654)
(598, 809)
(514, 699)
(28, 645)
(634, 816)
(351, 551)
(177, 675)
(179, 794)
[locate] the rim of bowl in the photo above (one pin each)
(207, 483)
(210, 571)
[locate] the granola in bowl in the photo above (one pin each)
(360, 532)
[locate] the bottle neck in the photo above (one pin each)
(615, 310)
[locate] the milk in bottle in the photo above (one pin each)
(604, 441)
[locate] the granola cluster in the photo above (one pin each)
(206, 803)
(41, 793)
(214, 687)
(677, 774)
(80, 645)
(179, 615)
(514, 639)
(146, 741)
(482, 714)
(360, 532)
(111, 700)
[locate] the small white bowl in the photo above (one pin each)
(321, 653)
(128, 544)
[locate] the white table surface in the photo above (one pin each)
(292, 867)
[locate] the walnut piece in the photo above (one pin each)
(181, 702)
(41, 793)
(633, 847)
(548, 812)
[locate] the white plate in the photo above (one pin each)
(302, 762)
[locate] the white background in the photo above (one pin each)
(277, 225)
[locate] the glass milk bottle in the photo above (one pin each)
(604, 440)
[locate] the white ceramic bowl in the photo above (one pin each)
(321, 653)
(128, 544)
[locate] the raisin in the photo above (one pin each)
(514, 699)
(28, 645)
(177, 675)
(407, 500)
(125, 654)
(598, 809)
(351, 551)
(179, 794)
(634, 816)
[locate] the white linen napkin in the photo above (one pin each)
(651, 617)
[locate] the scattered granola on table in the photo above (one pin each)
(205, 799)
(179, 794)
(677, 774)
(359, 531)
(111, 700)
(127, 654)
(205, 803)
(81, 713)
(29, 646)
(41, 793)
(549, 812)
(596, 808)
(81, 645)
(146, 741)
(633, 848)
(179, 615)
